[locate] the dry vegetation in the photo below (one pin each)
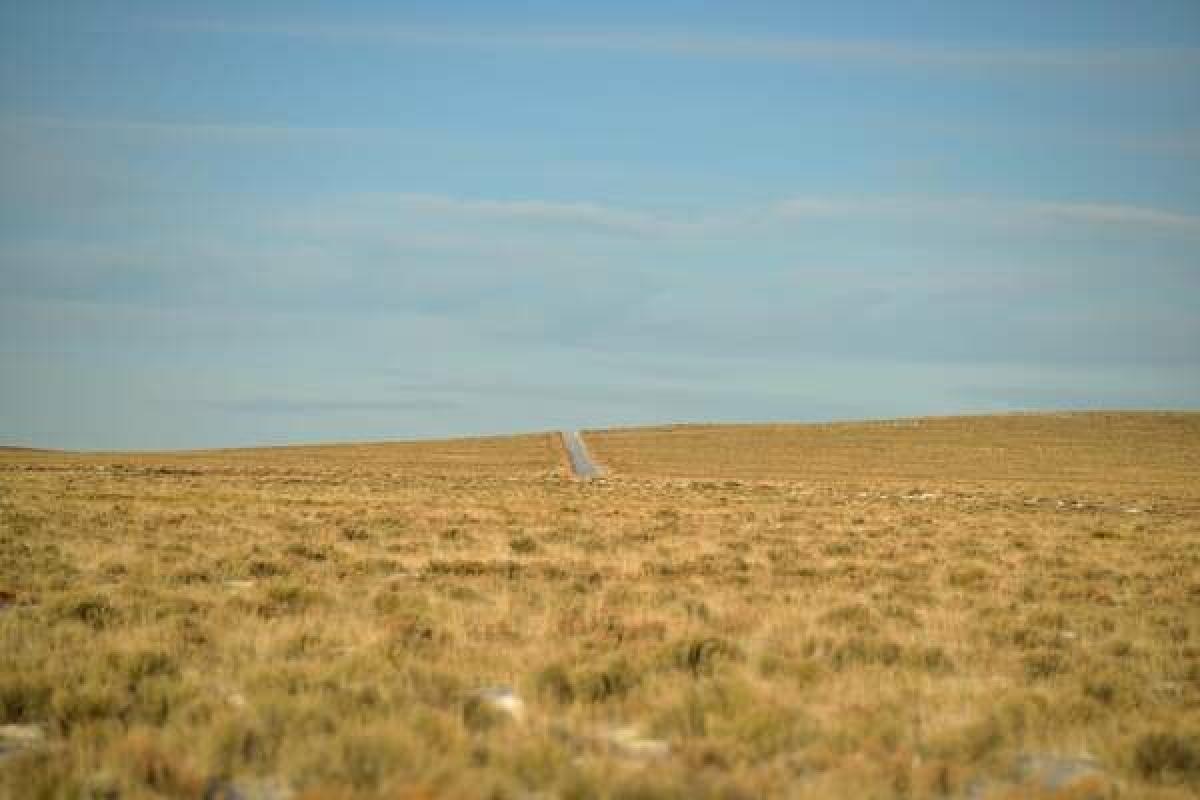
(981, 607)
(1089, 450)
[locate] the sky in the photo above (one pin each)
(233, 223)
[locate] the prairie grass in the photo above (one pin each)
(915, 610)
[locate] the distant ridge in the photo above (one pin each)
(694, 426)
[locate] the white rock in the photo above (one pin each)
(15, 738)
(628, 742)
(502, 699)
(251, 789)
(21, 735)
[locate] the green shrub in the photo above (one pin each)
(523, 545)
(1044, 665)
(554, 684)
(701, 656)
(856, 616)
(95, 611)
(616, 679)
(1162, 754)
(856, 651)
(280, 599)
(23, 699)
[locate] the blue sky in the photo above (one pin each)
(235, 223)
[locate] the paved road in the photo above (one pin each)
(581, 461)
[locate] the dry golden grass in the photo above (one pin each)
(528, 456)
(1091, 450)
(833, 611)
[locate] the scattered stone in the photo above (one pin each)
(627, 741)
(27, 734)
(1081, 776)
(16, 738)
(101, 785)
(250, 789)
(492, 705)
(1055, 773)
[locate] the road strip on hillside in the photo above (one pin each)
(581, 461)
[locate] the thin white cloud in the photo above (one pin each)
(958, 209)
(1184, 144)
(232, 133)
(749, 220)
(881, 53)
(1109, 214)
(586, 215)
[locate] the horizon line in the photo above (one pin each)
(1030, 412)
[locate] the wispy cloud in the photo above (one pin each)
(1185, 144)
(949, 209)
(958, 209)
(232, 133)
(1126, 215)
(880, 53)
(434, 223)
(575, 214)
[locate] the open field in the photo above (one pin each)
(974, 607)
(1089, 450)
(527, 456)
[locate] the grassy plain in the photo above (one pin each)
(970, 607)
